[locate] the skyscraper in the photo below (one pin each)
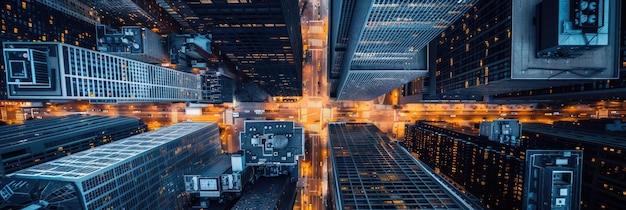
(497, 173)
(379, 45)
(140, 172)
(68, 21)
(133, 42)
(369, 171)
(272, 146)
(590, 90)
(507, 46)
(39, 141)
(263, 38)
(150, 14)
(44, 71)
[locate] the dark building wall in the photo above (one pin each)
(54, 138)
(22, 20)
(262, 38)
(593, 90)
(604, 169)
(476, 49)
(116, 13)
(494, 172)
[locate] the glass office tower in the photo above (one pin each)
(140, 172)
(379, 45)
(39, 141)
(262, 38)
(496, 172)
(368, 171)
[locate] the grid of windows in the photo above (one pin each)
(87, 74)
(49, 139)
(35, 21)
(471, 161)
(476, 49)
(263, 38)
(100, 76)
(74, 8)
(148, 14)
(397, 29)
(494, 172)
(369, 172)
(365, 85)
(142, 171)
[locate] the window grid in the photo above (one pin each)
(125, 79)
(397, 29)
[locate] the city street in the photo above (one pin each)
(315, 109)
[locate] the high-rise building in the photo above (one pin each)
(133, 42)
(368, 171)
(274, 147)
(46, 70)
(269, 193)
(263, 38)
(590, 90)
(498, 175)
(379, 45)
(506, 46)
(140, 172)
(150, 14)
(604, 168)
(218, 86)
(39, 141)
(68, 21)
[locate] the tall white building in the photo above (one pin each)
(55, 71)
(379, 45)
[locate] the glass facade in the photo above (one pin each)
(475, 49)
(367, 171)
(149, 14)
(596, 90)
(263, 38)
(492, 50)
(395, 30)
(473, 162)
(380, 45)
(39, 141)
(87, 74)
(494, 172)
(140, 172)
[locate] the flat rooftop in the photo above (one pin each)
(370, 172)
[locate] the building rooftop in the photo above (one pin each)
(62, 127)
(371, 172)
(267, 141)
(89, 163)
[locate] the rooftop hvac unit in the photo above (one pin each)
(587, 14)
(27, 67)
